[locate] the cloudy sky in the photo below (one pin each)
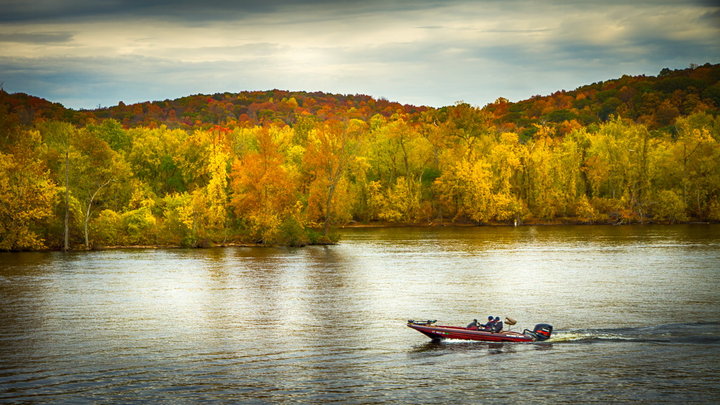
(85, 53)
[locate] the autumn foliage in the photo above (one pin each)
(285, 168)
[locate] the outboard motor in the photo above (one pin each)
(541, 332)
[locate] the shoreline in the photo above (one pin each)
(371, 225)
(360, 225)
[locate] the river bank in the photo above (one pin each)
(556, 222)
(371, 225)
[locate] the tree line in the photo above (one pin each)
(106, 185)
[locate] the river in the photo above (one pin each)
(636, 311)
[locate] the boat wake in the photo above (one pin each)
(693, 333)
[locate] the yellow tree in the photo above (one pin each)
(466, 191)
(399, 204)
(216, 189)
(567, 161)
(542, 191)
(196, 151)
(27, 196)
(399, 157)
(618, 167)
(697, 154)
(327, 157)
(263, 189)
(209, 201)
(177, 226)
(468, 124)
(505, 159)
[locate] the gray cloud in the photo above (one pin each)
(23, 11)
(711, 17)
(37, 37)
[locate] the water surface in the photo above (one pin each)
(635, 309)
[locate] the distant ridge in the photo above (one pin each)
(253, 107)
(651, 100)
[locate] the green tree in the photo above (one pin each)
(98, 177)
(112, 132)
(154, 158)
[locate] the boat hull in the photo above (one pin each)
(455, 332)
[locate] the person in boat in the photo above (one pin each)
(497, 325)
(473, 325)
(490, 325)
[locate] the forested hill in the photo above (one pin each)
(19, 109)
(655, 101)
(281, 167)
(252, 108)
(202, 110)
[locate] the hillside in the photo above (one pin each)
(654, 101)
(24, 109)
(251, 108)
(282, 167)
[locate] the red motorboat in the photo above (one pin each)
(541, 332)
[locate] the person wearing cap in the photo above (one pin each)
(490, 325)
(497, 325)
